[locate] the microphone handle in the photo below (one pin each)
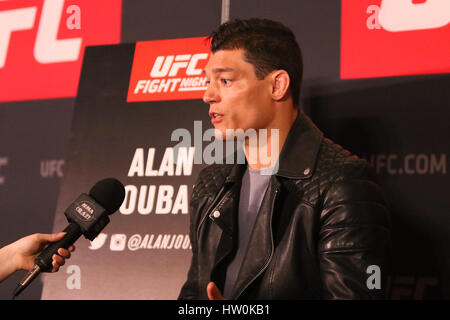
(43, 263)
(44, 260)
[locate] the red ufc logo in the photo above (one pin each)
(168, 70)
(382, 38)
(42, 44)
(175, 63)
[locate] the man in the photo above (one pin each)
(318, 227)
(20, 254)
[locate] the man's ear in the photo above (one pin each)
(280, 84)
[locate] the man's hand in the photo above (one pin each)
(213, 292)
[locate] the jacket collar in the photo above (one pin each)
(299, 153)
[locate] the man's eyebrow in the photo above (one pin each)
(219, 70)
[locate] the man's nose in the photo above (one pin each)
(211, 94)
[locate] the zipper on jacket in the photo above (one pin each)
(271, 253)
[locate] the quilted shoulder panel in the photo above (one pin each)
(333, 163)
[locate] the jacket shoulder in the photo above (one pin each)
(334, 163)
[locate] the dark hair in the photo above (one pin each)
(268, 45)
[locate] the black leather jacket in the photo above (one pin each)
(323, 221)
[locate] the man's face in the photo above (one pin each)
(237, 98)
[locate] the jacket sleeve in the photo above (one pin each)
(354, 238)
(190, 289)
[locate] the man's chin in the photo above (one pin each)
(228, 134)
(219, 134)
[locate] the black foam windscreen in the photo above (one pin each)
(109, 193)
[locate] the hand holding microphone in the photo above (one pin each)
(20, 255)
(87, 216)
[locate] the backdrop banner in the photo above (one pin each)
(144, 253)
(110, 88)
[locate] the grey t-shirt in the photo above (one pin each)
(254, 186)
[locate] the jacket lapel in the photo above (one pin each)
(223, 214)
(260, 247)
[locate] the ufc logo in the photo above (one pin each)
(411, 287)
(170, 65)
(162, 70)
(405, 15)
(47, 48)
(413, 35)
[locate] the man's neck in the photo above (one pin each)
(265, 150)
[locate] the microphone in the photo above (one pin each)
(87, 216)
